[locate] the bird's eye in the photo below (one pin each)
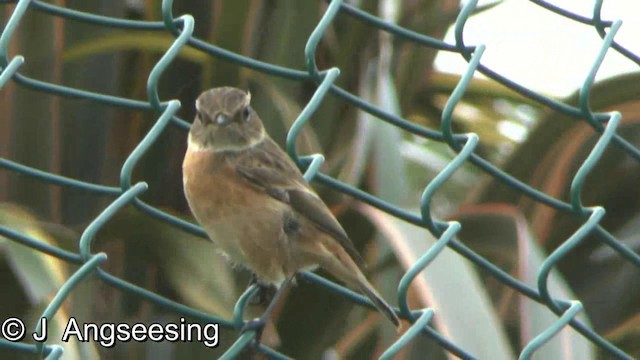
(246, 111)
(204, 118)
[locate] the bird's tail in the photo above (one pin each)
(340, 264)
(378, 301)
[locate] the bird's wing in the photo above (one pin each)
(271, 170)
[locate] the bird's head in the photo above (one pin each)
(225, 121)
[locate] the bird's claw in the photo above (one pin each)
(264, 294)
(257, 325)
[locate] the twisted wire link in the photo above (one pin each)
(463, 145)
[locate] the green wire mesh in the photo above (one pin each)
(463, 144)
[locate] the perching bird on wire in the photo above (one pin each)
(253, 202)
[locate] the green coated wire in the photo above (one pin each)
(545, 269)
(58, 179)
(162, 301)
(585, 89)
(316, 36)
(308, 110)
(56, 352)
(162, 64)
(555, 328)
(27, 348)
(414, 331)
(240, 344)
(396, 30)
(241, 305)
(39, 245)
(10, 70)
(271, 354)
(596, 153)
(568, 14)
(9, 28)
(420, 265)
(51, 309)
(600, 28)
(145, 144)
(314, 166)
(553, 259)
(89, 233)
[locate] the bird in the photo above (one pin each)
(254, 203)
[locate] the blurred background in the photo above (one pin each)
(85, 140)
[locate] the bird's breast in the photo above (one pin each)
(212, 185)
(243, 221)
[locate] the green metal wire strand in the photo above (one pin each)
(39, 245)
(91, 230)
(574, 240)
(168, 18)
(316, 36)
(600, 28)
(394, 29)
(502, 276)
(420, 265)
(53, 307)
(162, 64)
(9, 71)
(458, 92)
(27, 348)
(467, 51)
(167, 15)
(553, 104)
(385, 116)
(58, 179)
(56, 352)
(161, 301)
(170, 219)
(590, 162)
(439, 180)
(618, 246)
(261, 66)
(69, 92)
(9, 28)
(308, 110)
(585, 89)
(238, 310)
(475, 159)
(568, 14)
(545, 269)
(362, 300)
(93, 19)
(240, 344)
(409, 217)
(144, 145)
(544, 337)
(315, 162)
(272, 354)
(181, 124)
(413, 332)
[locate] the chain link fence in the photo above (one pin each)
(182, 28)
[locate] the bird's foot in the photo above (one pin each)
(264, 295)
(299, 277)
(257, 325)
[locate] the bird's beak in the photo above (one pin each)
(222, 120)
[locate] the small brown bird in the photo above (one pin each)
(253, 202)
